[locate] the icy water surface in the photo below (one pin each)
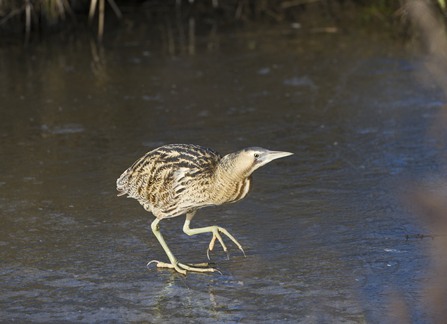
(324, 231)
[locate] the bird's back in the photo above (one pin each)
(171, 179)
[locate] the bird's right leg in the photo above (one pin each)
(179, 267)
(216, 230)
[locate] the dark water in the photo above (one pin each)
(324, 230)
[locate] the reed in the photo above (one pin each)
(29, 13)
(26, 16)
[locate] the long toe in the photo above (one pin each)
(217, 236)
(224, 231)
(169, 266)
(183, 268)
(200, 268)
(202, 265)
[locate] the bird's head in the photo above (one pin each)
(245, 161)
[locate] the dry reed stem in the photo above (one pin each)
(28, 21)
(192, 37)
(101, 20)
(238, 13)
(170, 36)
(67, 7)
(115, 8)
(91, 12)
(101, 9)
(12, 14)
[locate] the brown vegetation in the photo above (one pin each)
(25, 16)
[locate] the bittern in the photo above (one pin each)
(179, 179)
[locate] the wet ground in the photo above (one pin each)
(327, 238)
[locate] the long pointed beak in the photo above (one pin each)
(272, 155)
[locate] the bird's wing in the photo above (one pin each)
(167, 179)
(180, 179)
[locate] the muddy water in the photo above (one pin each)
(324, 230)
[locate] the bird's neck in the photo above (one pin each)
(229, 170)
(230, 183)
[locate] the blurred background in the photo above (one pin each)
(350, 229)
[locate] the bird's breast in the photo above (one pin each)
(235, 191)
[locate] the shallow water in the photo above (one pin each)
(324, 230)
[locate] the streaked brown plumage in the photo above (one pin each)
(179, 179)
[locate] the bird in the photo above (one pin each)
(177, 179)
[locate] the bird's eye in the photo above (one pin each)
(256, 155)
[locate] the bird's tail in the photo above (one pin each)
(122, 183)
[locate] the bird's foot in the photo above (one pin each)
(183, 268)
(217, 236)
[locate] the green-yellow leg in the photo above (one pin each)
(210, 229)
(179, 267)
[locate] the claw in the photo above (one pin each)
(147, 265)
(162, 264)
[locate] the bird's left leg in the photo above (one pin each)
(179, 267)
(210, 229)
